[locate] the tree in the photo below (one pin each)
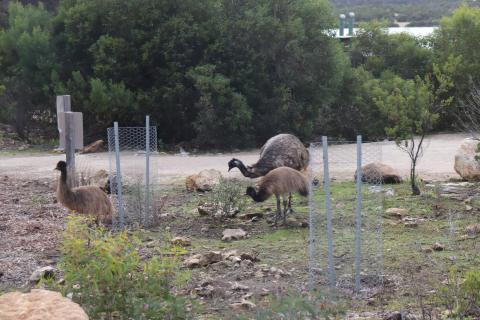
(412, 108)
(27, 69)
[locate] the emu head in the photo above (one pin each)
(233, 163)
(61, 166)
(251, 192)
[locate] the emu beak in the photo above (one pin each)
(229, 169)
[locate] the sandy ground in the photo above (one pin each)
(436, 164)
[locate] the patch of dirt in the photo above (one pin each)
(30, 228)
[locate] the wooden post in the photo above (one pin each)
(63, 105)
(70, 146)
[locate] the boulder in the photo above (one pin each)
(205, 180)
(473, 229)
(437, 246)
(233, 234)
(243, 305)
(181, 241)
(203, 260)
(397, 212)
(377, 172)
(40, 273)
(93, 147)
(39, 305)
(465, 163)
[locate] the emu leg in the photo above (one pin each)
(279, 210)
(290, 210)
(284, 210)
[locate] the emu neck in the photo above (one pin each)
(247, 172)
(64, 192)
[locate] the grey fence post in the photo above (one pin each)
(326, 186)
(63, 105)
(147, 169)
(121, 211)
(358, 216)
(312, 245)
(70, 147)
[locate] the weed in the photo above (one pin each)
(105, 275)
(228, 197)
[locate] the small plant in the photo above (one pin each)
(461, 296)
(295, 307)
(104, 274)
(228, 197)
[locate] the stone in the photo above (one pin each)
(397, 212)
(181, 241)
(192, 262)
(394, 316)
(473, 229)
(205, 291)
(376, 173)
(209, 257)
(411, 224)
(239, 287)
(93, 147)
(39, 305)
(250, 216)
(206, 210)
(40, 273)
(233, 234)
(100, 179)
(205, 180)
(465, 163)
(438, 246)
(252, 256)
(243, 305)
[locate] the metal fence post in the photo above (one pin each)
(312, 244)
(358, 216)
(326, 186)
(121, 211)
(70, 147)
(147, 169)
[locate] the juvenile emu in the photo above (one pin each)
(280, 182)
(282, 150)
(88, 200)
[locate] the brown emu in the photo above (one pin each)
(88, 200)
(282, 150)
(280, 182)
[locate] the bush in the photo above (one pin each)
(105, 275)
(294, 306)
(462, 296)
(228, 197)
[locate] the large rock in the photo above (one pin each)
(203, 260)
(93, 147)
(39, 305)
(233, 234)
(377, 172)
(205, 180)
(465, 163)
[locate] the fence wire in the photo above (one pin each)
(134, 175)
(346, 250)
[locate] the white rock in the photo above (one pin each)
(233, 234)
(465, 163)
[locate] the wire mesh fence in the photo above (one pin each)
(345, 216)
(134, 174)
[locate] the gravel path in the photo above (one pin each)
(436, 164)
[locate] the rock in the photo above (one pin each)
(181, 241)
(203, 260)
(411, 224)
(397, 212)
(394, 316)
(233, 234)
(45, 272)
(205, 291)
(250, 216)
(99, 179)
(243, 305)
(205, 180)
(465, 163)
(438, 246)
(93, 147)
(468, 208)
(473, 229)
(252, 256)
(39, 305)
(239, 287)
(377, 173)
(206, 210)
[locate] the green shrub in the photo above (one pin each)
(295, 307)
(228, 196)
(105, 275)
(461, 295)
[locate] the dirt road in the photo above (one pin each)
(437, 162)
